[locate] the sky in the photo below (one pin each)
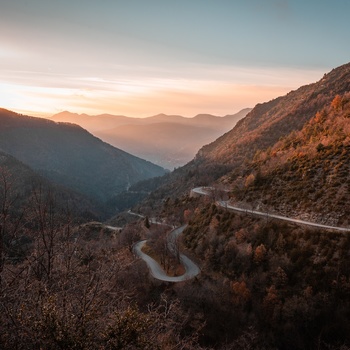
(143, 57)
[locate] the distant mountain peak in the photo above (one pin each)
(205, 116)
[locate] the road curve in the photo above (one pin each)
(191, 269)
(225, 204)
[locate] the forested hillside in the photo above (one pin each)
(276, 285)
(286, 286)
(305, 172)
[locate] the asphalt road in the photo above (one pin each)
(225, 204)
(191, 269)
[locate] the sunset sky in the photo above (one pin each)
(144, 57)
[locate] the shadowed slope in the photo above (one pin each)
(69, 155)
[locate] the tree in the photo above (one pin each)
(5, 187)
(337, 103)
(188, 214)
(130, 235)
(241, 293)
(271, 300)
(129, 330)
(159, 244)
(280, 278)
(10, 222)
(259, 254)
(147, 223)
(249, 180)
(42, 219)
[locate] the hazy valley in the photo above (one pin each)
(167, 140)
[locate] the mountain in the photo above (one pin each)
(100, 122)
(308, 170)
(267, 122)
(70, 156)
(167, 140)
(170, 141)
(92, 123)
(20, 182)
(227, 157)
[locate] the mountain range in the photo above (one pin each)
(231, 158)
(68, 155)
(167, 140)
(264, 282)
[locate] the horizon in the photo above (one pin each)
(173, 58)
(265, 93)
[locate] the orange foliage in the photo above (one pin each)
(337, 103)
(319, 117)
(241, 235)
(249, 180)
(241, 293)
(259, 254)
(271, 299)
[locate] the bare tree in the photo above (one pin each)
(130, 235)
(10, 217)
(159, 243)
(47, 224)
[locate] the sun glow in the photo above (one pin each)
(43, 94)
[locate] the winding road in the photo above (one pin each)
(191, 269)
(226, 205)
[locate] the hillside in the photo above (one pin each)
(307, 171)
(167, 140)
(267, 122)
(68, 155)
(283, 286)
(20, 183)
(259, 130)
